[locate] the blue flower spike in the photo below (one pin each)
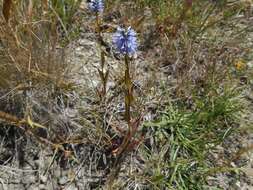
(96, 6)
(125, 41)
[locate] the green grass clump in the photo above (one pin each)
(181, 140)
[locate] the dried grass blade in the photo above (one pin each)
(7, 9)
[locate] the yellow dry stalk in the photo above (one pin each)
(33, 124)
(11, 119)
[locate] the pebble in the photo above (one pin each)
(63, 180)
(42, 187)
(43, 179)
(72, 187)
(34, 187)
(29, 179)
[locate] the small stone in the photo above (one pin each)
(250, 64)
(29, 179)
(42, 187)
(63, 180)
(37, 163)
(79, 49)
(72, 187)
(238, 184)
(57, 172)
(233, 165)
(33, 187)
(43, 179)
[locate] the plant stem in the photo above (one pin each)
(103, 75)
(128, 91)
(128, 103)
(123, 147)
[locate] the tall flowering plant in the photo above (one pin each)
(125, 42)
(97, 7)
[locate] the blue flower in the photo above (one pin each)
(125, 41)
(96, 5)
